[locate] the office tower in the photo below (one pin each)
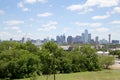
(109, 38)
(60, 39)
(86, 36)
(96, 39)
(23, 40)
(89, 38)
(115, 41)
(103, 41)
(69, 39)
(83, 38)
(78, 39)
(63, 39)
(11, 39)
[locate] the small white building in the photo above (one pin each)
(67, 48)
(102, 53)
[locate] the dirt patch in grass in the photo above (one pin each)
(115, 66)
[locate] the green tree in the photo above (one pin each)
(17, 61)
(65, 63)
(19, 64)
(31, 47)
(54, 52)
(106, 61)
(116, 52)
(92, 60)
(46, 60)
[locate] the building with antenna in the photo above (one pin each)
(109, 38)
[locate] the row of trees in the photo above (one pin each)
(18, 60)
(21, 60)
(115, 53)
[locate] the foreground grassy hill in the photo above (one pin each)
(99, 75)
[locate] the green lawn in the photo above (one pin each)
(100, 75)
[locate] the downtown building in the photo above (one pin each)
(85, 38)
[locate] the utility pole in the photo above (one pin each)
(109, 39)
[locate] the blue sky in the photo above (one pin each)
(39, 19)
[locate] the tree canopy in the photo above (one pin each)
(23, 60)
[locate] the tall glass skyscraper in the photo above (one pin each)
(86, 36)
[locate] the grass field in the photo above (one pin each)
(99, 75)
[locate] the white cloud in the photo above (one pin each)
(42, 1)
(66, 29)
(20, 4)
(6, 28)
(88, 24)
(108, 3)
(24, 2)
(86, 11)
(116, 10)
(46, 14)
(102, 29)
(19, 31)
(1, 12)
(30, 1)
(51, 25)
(101, 17)
(26, 9)
(3, 34)
(31, 19)
(15, 28)
(115, 22)
(92, 3)
(13, 22)
(75, 7)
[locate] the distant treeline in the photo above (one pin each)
(23, 60)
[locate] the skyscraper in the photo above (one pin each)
(23, 39)
(58, 40)
(69, 39)
(83, 37)
(11, 39)
(86, 36)
(109, 38)
(61, 39)
(96, 39)
(89, 38)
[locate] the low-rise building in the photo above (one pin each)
(102, 53)
(67, 48)
(115, 41)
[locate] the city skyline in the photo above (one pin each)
(84, 38)
(39, 19)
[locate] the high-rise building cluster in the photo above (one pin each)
(60, 39)
(84, 38)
